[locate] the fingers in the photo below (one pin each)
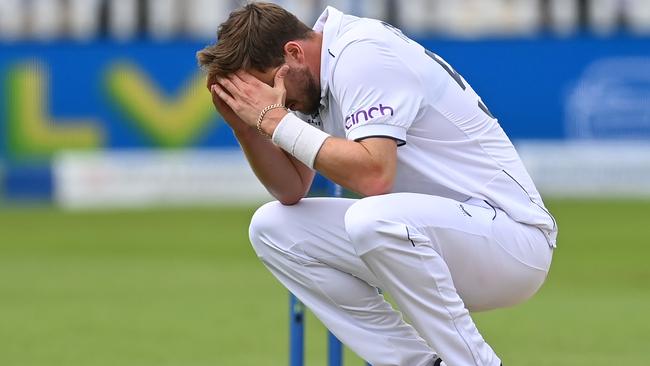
(216, 99)
(218, 91)
(279, 77)
(230, 85)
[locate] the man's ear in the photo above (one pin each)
(293, 51)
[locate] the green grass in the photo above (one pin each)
(183, 287)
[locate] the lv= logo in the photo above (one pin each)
(168, 121)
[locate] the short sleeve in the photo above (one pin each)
(378, 93)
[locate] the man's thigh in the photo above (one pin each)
(492, 259)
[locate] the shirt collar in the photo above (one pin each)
(328, 23)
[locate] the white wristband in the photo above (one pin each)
(299, 139)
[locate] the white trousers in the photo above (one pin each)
(438, 259)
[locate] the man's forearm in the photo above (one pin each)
(367, 167)
(284, 177)
(371, 161)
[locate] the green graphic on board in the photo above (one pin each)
(169, 122)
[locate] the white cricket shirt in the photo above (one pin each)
(377, 82)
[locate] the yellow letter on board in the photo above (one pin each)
(32, 133)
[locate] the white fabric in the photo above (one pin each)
(299, 139)
(377, 82)
(435, 256)
(465, 228)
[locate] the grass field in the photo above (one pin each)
(183, 287)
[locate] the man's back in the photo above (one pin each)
(380, 83)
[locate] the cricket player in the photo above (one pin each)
(450, 221)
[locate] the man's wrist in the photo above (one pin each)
(244, 133)
(272, 119)
(299, 139)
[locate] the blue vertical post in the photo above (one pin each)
(335, 348)
(296, 332)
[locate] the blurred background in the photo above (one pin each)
(124, 199)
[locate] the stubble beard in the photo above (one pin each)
(308, 91)
(313, 94)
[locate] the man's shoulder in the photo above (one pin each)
(371, 54)
(361, 41)
(357, 31)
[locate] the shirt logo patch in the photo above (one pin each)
(365, 115)
(314, 120)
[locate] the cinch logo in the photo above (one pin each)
(366, 115)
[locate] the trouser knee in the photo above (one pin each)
(266, 225)
(369, 223)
